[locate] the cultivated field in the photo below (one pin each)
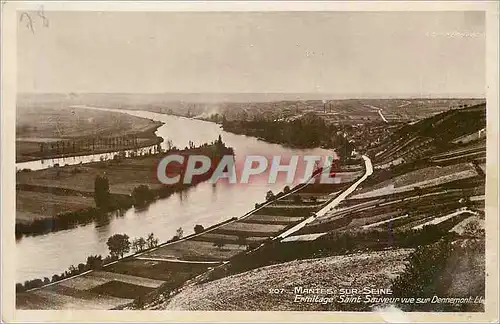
(94, 290)
(269, 219)
(121, 289)
(195, 251)
(383, 205)
(158, 270)
(421, 178)
(28, 207)
(250, 229)
(226, 238)
(71, 131)
(50, 300)
(123, 175)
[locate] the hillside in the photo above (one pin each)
(442, 132)
(427, 186)
(250, 291)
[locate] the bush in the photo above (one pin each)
(422, 268)
(198, 229)
(94, 262)
(142, 195)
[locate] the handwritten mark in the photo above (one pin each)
(25, 16)
(29, 23)
(41, 14)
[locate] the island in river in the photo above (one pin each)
(61, 197)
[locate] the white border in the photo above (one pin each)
(9, 27)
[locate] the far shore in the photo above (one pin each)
(150, 140)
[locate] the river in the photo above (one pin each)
(206, 204)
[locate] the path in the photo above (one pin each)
(379, 110)
(441, 219)
(334, 203)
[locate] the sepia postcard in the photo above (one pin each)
(249, 161)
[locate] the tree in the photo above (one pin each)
(134, 246)
(198, 229)
(286, 189)
(170, 145)
(138, 244)
(46, 281)
(179, 232)
(141, 243)
(118, 245)
(81, 267)
(72, 270)
(101, 192)
(94, 262)
(151, 241)
(269, 195)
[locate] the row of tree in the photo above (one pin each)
(94, 262)
(118, 245)
(72, 146)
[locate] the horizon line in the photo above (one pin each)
(339, 96)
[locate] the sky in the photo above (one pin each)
(340, 53)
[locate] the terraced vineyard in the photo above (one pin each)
(459, 191)
(441, 132)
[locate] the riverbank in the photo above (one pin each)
(85, 145)
(49, 130)
(309, 131)
(63, 197)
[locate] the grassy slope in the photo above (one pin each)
(250, 290)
